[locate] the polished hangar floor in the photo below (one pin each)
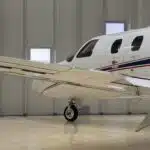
(89, 132)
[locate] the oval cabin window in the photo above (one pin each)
(137, 42)
(116, 46)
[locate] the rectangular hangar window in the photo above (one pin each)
(40, 55)
(114, 27)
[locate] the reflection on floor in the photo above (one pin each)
(88, 133)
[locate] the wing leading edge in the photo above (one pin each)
(59, 74)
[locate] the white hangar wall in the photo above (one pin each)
(12, 87)
(63, 25)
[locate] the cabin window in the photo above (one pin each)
(137, 42)
(116, 46)
(87, 50)
(71, 56)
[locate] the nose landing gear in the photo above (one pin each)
(71, 111)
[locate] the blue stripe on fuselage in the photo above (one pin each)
(131, 64)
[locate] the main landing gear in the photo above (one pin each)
(71, 111)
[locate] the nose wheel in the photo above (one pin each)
(71, 112)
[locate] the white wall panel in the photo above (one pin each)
(39, 21)
(63, 25)
(114, 106)
(92, 18)
(115, 9)
(1, 28)
(66, 36)
(12, 87)
(143, 13)
(65, 28)
(38, 104)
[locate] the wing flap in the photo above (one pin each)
(88, 79)
(85, 76)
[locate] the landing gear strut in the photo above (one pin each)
(71, 111)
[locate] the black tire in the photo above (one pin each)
(75, 113)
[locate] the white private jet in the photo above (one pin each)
(105, 67)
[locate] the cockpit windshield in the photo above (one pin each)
(71, 56)
(86, 50)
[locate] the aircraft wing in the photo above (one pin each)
(138, 81)
(59, 74)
